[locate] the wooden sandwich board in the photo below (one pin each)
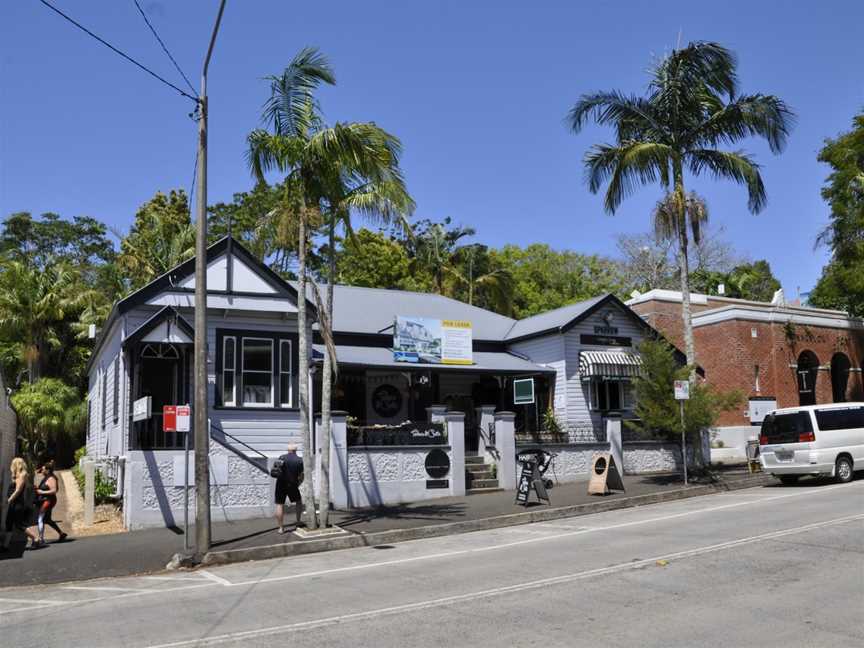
(604, 475)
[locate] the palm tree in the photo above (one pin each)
(692, 107)
(33, 305)
(494, 282)
(380, 196)
(435, 249)
(326, 169)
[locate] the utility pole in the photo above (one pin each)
(202, 427)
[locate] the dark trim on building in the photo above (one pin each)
(168, 313)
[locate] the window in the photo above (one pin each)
(756, 377)
(104, 393)
(840, 419)
(257, 372)
(115, 408)
(786, 428)
(286, 382)
(229, 372)
(609, 395)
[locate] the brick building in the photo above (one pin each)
(778, 354)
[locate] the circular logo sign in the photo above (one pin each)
(386, 401)
(437, 464)
(600, 465)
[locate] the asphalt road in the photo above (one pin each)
(766, 567)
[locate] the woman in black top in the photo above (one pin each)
(20, 512)
(47, 494)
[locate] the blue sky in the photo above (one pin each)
(477, 91)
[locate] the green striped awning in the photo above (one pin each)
(609, 364)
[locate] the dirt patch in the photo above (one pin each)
(107, 518)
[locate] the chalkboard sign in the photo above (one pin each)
(524, 487)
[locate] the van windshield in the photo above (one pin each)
(785, 428)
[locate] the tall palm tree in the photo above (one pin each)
(319, 164)
(692, 106)
(380, 196)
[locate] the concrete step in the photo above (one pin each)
(474, 459)
(477, 468)
(471, 477)
(481, 491)
(482, 484)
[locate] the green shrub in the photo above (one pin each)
(104, 486)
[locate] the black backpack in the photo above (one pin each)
(278, 469)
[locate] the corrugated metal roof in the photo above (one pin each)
(382, 357)
(373, 310)
(551, 320)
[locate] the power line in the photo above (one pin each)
(194, 178)
(114, 49)
(164, 47)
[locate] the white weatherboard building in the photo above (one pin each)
(581, 358)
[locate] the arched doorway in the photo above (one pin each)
(808, 371)
(840, 366)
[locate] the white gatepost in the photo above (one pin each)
(339, 459)
(613, 438)
(486, 447)
(505, 442)
(435, 413)
(455, 422)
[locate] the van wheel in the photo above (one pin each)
(788, 480)
(843, 470)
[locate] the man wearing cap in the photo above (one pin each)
(288, 480)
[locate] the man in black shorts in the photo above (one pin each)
(288, 485)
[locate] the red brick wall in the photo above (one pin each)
(728, 353)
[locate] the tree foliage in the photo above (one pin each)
(42, 409)
(658, 413)
(841, 285)
(161, 237)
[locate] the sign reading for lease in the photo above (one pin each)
(432, 341)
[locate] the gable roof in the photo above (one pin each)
(174, 279)
(169, 316)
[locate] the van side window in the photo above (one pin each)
(840, 419)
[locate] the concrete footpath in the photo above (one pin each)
(150, 550)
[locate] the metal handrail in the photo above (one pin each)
(236, 451)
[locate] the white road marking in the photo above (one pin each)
(184, 579)
(515, 543)
(498, 591)
(563, 527)
(214, 578)
(387, 563)
(101, 588)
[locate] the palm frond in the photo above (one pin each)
(732, 165)
(613, 108)
(291, 108)
(763, 115)
(626, 167)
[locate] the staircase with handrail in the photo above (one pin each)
(260, 461)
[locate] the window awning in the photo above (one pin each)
(609, 364)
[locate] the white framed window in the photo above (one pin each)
(229, 370)
(286, 382)
(257, 368)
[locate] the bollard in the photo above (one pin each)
(89, 492)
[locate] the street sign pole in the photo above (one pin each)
(683, 442)
(682, 393)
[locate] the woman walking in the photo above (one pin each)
(19, 515)
(47, 500)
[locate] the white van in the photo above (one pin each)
(813, 440)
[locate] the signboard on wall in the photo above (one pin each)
(432, 341)
(142, 408)
(523, 391)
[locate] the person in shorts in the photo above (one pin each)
(290, 476)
